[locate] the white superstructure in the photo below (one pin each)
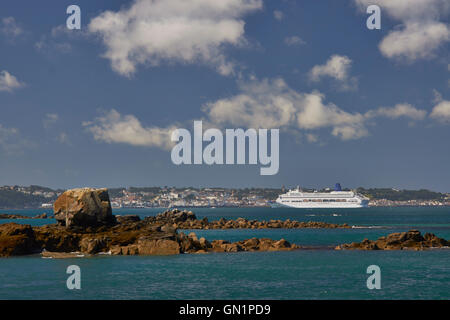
(296, 198)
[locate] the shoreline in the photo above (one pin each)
(246, 207)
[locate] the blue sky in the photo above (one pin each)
(93, 107)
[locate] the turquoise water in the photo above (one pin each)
(302, 274)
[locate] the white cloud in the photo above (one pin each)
(10, 28)
(349, 132)
(338, 68)
(415, 41)
(266, 104)
(8, 82)
(420, 33)
(399, 110)
(294, 41)
(166, 31)
(113, 127)
(273, 104)
(278, 15)
(448, 82)
(441, 111)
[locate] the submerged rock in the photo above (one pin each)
(412, 240)
(84, 207)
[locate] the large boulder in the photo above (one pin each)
(84, 207)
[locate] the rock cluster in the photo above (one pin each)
(86, 226)
(191, 244)
(188, 220)
(412, 240)
(128, 238)
(18, 216)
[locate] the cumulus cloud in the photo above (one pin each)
(448, 67)
(415, 41)
(152, 32)
(405, 110)
(8, 82)
(441, 111)
(113, 127)
(10, 28)
(420, 33)
(259, 104)
(271, 103)
(294, 41)
(337, 67)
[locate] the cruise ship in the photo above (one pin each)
(296, 198)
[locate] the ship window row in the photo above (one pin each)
(316, 200)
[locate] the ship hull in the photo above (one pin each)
(322, 205)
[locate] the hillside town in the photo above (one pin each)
(170, 197)
(208, 197)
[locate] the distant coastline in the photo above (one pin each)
(36, 197)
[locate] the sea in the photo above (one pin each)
(318, 272)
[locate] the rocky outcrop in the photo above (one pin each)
(86, 226)
(253, 244)
(128, 218)
(61, 255)
(41, 216)
(188, 220)
(412, 240)
(128, 238)
(84, 207)
(191, 244)
(18, 216)
(17, 239)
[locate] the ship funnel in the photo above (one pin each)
(337, 187)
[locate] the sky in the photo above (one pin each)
(96, 106)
